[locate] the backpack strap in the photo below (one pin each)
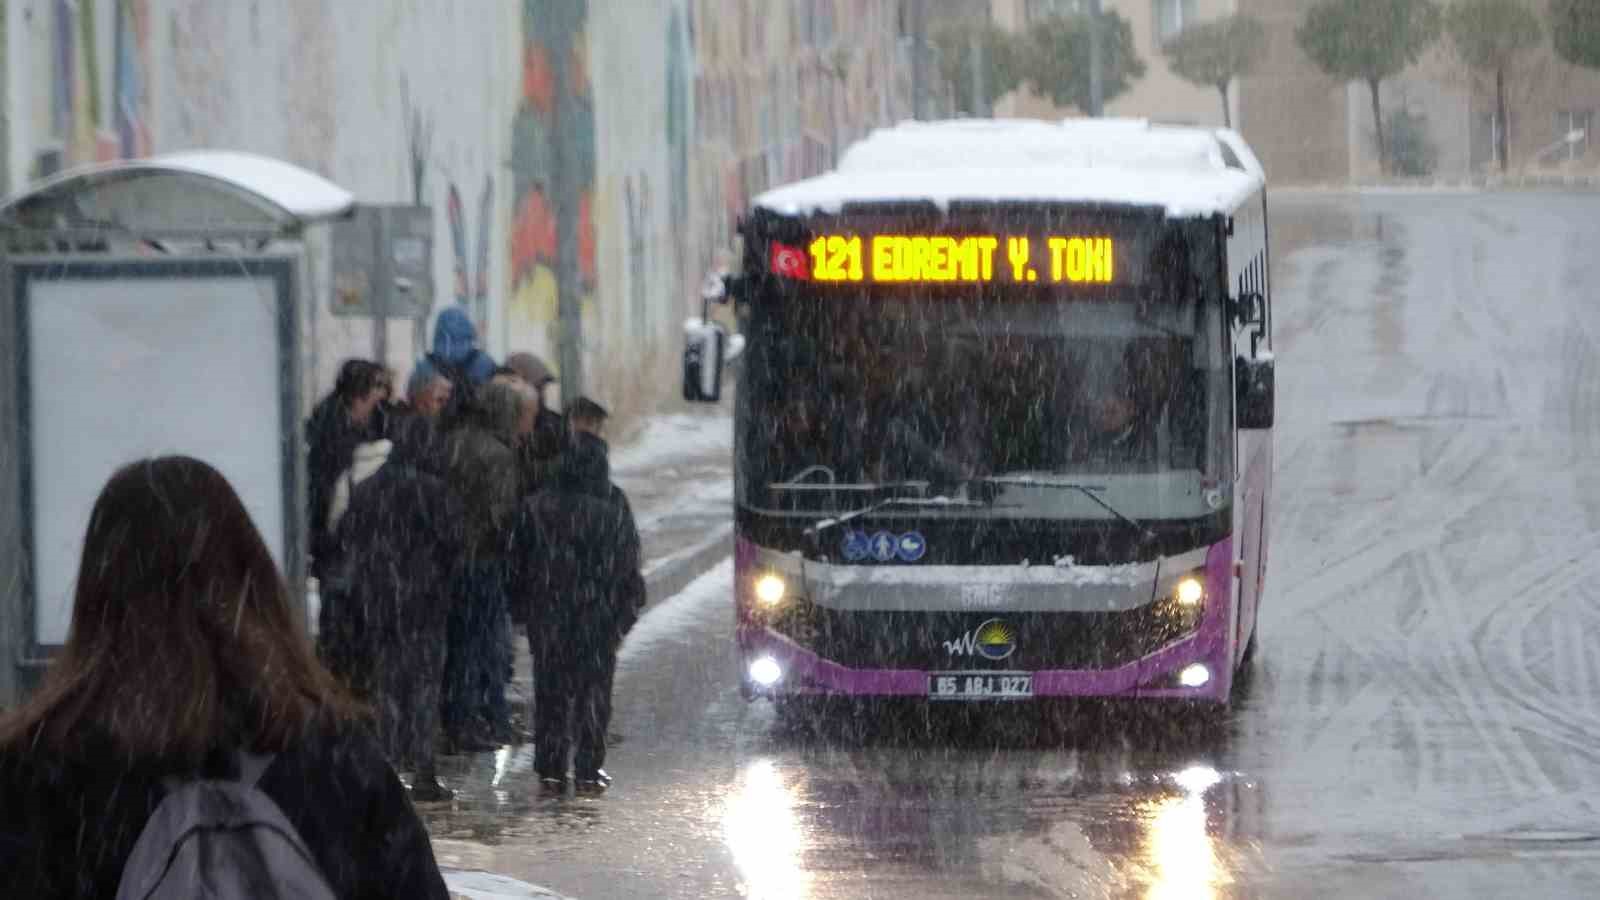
(252, 766)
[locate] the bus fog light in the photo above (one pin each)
(770, 590)
(765, 671)
(1190, 593)
(1194, 676)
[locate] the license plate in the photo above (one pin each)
(980, 686)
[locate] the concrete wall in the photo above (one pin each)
(1307, 128)
(699, 106)
(328, 86)
(1160, 94)
(1293, 115)
(675, 114)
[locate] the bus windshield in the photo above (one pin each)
(1029, 390)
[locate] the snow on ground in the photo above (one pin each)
(672, 620)
(674, 436)
(485, 886)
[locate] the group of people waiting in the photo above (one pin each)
(439, 520)
(188, 740)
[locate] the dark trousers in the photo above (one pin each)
(572, 710)
(408, 703)
(477, 664)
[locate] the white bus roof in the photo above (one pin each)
(1185, 170)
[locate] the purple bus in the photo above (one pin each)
(1003, 417)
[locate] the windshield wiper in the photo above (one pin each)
(855, 486)
(835, 521)
(1090, 491)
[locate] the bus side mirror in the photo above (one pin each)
(1257, 392)
(704, 351)
(1247, 309)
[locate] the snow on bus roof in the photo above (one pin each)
(1187, 171)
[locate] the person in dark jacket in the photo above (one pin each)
(343, 420)
(578, 550)
(184, 652)
(414, 425)
(398, 529)
(482, 468)
(456, 356)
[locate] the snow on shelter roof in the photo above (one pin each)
(1187, 171)
(278, 191)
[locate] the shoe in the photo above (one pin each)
(429, 790)
(552, 785)
(613, 739)
(594, 782)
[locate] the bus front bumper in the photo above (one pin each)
(773, 665)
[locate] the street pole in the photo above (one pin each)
(382, 282)
(919, 39)
(1096, 55)
(980, 94)
(569, 302)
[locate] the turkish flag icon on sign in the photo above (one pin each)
(790, 262)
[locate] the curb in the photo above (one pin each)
(669, 575)
(1581, 184)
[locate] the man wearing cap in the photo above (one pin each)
(578, 559)
(549, 429)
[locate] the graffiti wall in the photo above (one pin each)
(83, 66)
(597, 150)
(553, 165)
(700, 105)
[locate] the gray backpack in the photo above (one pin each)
(221, 840)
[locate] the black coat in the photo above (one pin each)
(578, 558)
(68, 824)
(539, 453)
(390, 585)
(484, 471)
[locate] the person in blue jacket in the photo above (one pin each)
(457, 357)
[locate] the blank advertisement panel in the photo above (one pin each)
(126, 362)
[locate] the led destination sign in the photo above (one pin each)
(971, 259)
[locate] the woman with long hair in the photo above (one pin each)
(183, 653)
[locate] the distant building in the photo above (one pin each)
(1309, 128)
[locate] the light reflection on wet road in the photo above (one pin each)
(1421, 720)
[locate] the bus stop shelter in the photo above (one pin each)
(147, 307)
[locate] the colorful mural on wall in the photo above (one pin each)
(131, 93)
(775, 108)
(553, 175)
(84, 131)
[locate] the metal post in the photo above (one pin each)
(980, 94)
(564, 180)
(919, 75)
(1096, 56)
(383, 283)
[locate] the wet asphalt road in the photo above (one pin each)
(1421, 719)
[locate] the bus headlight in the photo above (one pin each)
(1185, 601)
(1189, 593)
(770, 590)
(766, 671)
(1194, 676)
